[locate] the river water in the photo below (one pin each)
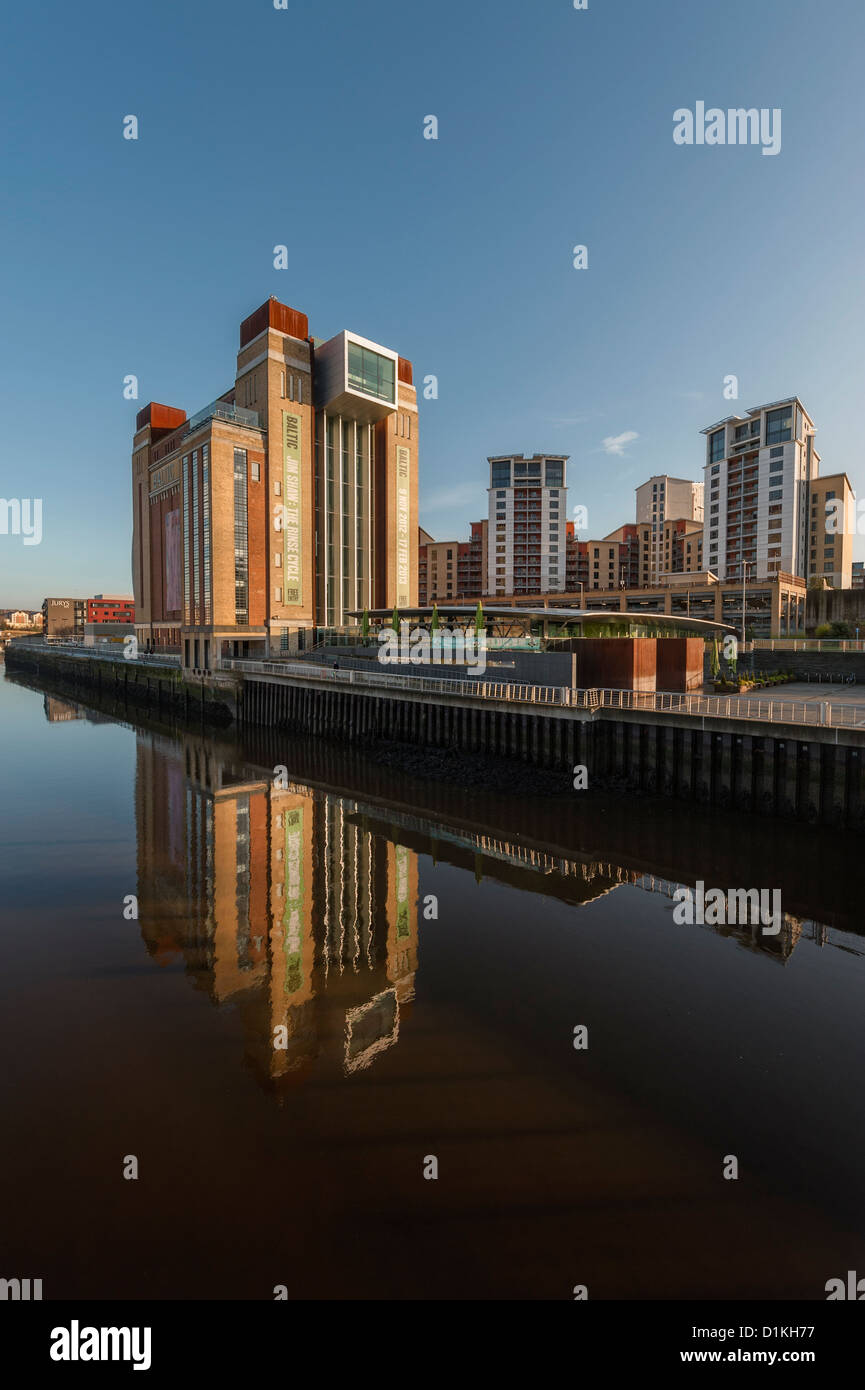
(285, 982)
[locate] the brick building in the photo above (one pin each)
(282, 506)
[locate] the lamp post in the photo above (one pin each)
(745, 565)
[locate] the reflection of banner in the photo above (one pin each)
(292, 918)
(402, 922)
(291, 446)
(175, 812)
(403, 463)
(172, 561)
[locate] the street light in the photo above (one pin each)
(745, 566)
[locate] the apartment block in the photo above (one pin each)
(759, 470)
(438, 570)
(474, 561)
(527, 514)
(831, 530)
(629, 540)
(287, 503)
(674, 547)
(64, 617)
(663, 499)
(104, 609)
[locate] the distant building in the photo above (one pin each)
(527, 514)
(64, 617)
(438, 566)
(830, 552)
(659, 500)
(102, 609)
(759, 470)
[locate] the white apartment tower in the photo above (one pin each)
(759, 469)
(528, 508)
(662, 499)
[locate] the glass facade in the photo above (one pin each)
(717, 446)
(779, 425)
(500, 475)
(241, 540)
(371, 373)
(555, 474)
(344, 454)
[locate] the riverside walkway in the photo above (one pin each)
(795, 703)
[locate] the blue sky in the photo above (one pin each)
(304, 127)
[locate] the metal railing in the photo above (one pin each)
(822, 713)
(102, 652)
(809, 644)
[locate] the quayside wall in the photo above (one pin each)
(164, 689)
(811, 772)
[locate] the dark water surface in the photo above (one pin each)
(295, 913)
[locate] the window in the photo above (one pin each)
(277, 594)
(717, 468)
(500, 475)
(776, 453)
(717, 442)
(255, 472)
(555, 475)
(277, 559)
(277, 488)
(370, 372)
(775, 494)
(779, 425)
(241, 541)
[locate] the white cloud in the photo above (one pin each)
(615, 443)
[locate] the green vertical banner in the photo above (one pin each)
(403, 927)
(292, 918)
(292, 435)
(403, 465)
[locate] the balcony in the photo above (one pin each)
(222, 410)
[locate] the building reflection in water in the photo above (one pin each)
(299, 907)
(282, 902)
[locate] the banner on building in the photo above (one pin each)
(403, 550)
(292, 437)
(172, 561)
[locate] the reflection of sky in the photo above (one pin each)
(67, 818)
